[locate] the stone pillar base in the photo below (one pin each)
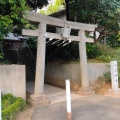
(85, 91)
(38, 101)
(114, 91)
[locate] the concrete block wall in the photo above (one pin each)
(13, 80)
(57, 74)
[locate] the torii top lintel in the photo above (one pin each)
(39, 18)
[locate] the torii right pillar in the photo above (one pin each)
(85, 89)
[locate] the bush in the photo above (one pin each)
(11, 105)
(7, 100)
(92, 50)
(110, 54)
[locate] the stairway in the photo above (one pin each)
(30, 65)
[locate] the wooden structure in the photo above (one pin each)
(43, 21)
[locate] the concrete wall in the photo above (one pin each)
(13, 80)
(57, 74)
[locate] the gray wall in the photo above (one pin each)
(57, 74)
(12, 80)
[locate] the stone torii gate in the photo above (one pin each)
(39, 98)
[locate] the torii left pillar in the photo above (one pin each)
(39, 98)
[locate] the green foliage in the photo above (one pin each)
(106, 77)
(7, 100)
(53, 7)
(32, 43)
(107, 53)
(92, 50)
(70, 52)
(113, 40)
(10, 106)
(1, 56)
(11, 16)
(11, 19)
(110, 54)
(105, 13)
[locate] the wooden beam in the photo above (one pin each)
(91, 40)
(34, 33)
(81, 26)
(36, 17)
(53, 35)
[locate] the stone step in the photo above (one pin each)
(87, 91)
(90, 93)
(114, 91)
(38, 103)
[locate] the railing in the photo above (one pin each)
(31, 63)
(15, 48)
(30, 57)
(30, 52)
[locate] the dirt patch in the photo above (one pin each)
(26, 114)
(104, 91)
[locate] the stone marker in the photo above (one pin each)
(114, 78)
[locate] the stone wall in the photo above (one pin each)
(57, 74)
(13, 80)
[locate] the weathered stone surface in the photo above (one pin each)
(114, 91)
(58, 73)
(37, 101)
(38, 98)
(85, 91)
(12, 80)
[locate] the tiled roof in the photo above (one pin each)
(14, 37)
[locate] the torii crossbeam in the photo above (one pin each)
(42, 21)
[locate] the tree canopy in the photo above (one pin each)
(105, 13)
(53, 7)
(11, 14)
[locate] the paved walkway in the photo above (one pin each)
(54, 94)
(84, 108)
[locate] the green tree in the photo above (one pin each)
(105, 13)
(11, 12)
(11, 15)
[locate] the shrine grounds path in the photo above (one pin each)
(94, 107)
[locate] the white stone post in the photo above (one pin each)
(83, 59)
(40, 62)
(39, 98)
(114, 78)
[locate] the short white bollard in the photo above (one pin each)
(68, 100)
(0, 106)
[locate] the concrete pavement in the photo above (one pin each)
(54, 94)
(84, 108)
